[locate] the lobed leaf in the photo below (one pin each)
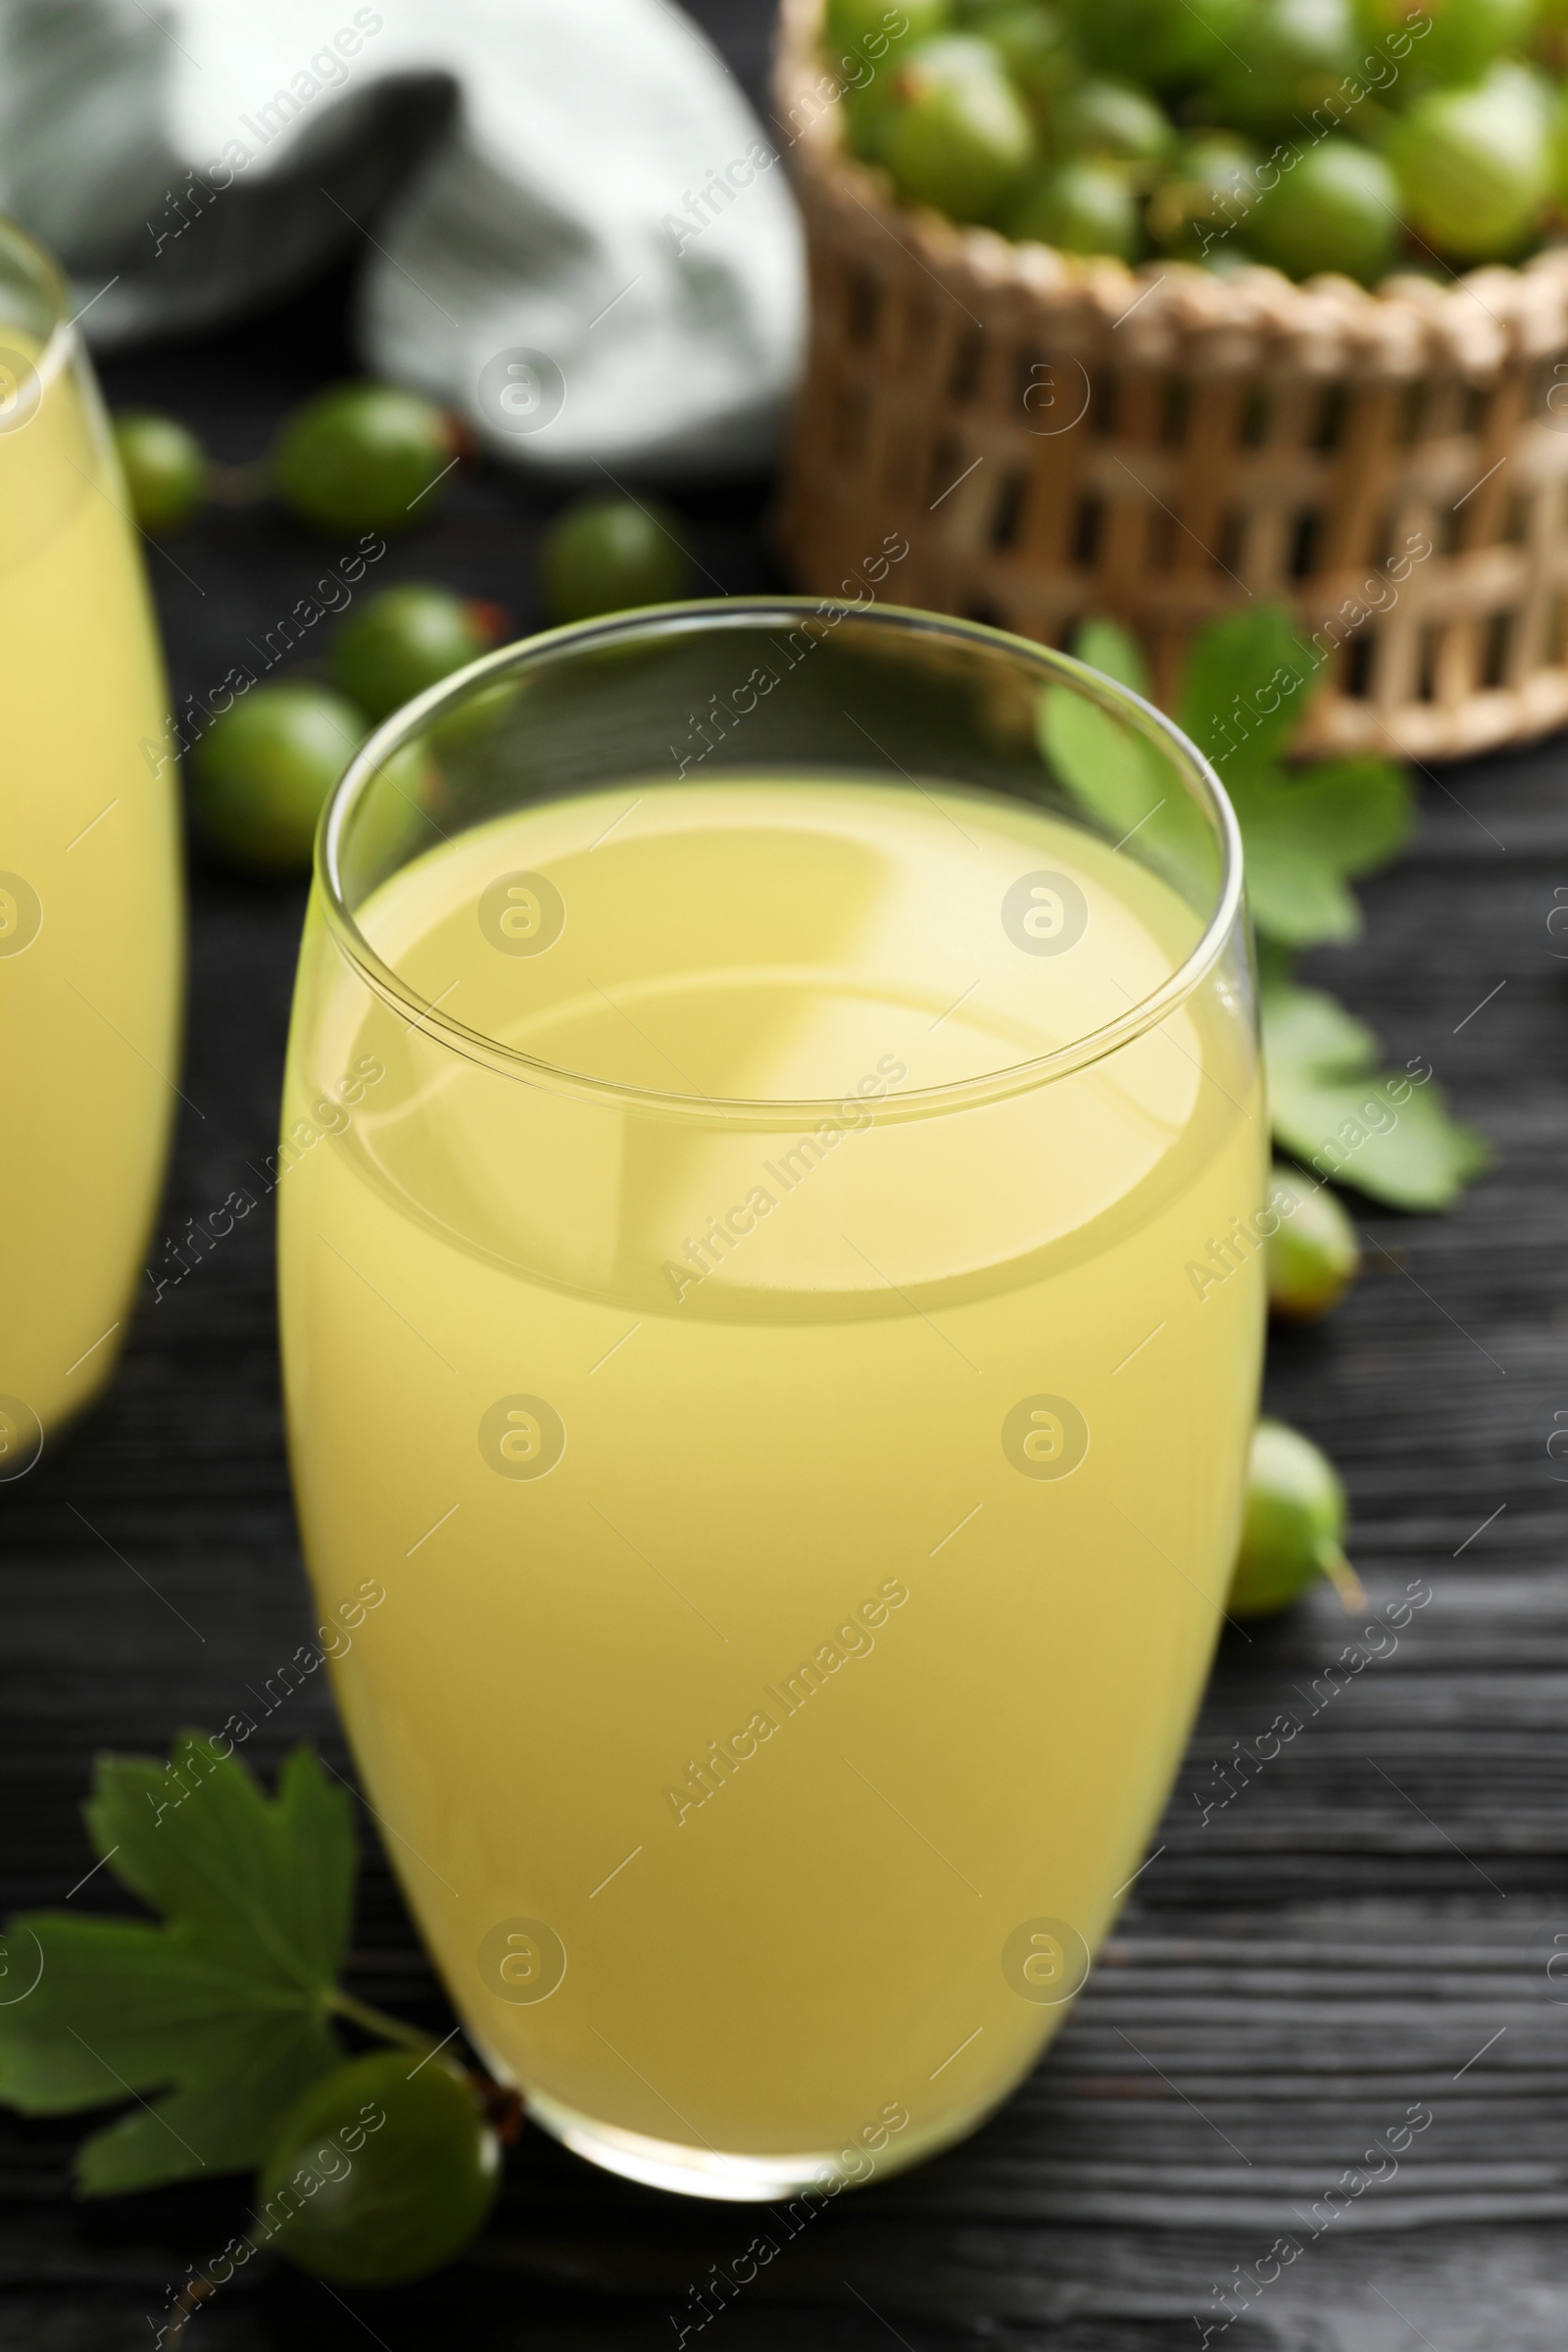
(198, 1840)
(1248, 681)
(224, 2008)
(1117, 777)
(1114, 652)
(1390, 1134)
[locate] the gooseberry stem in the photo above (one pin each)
(1347, 1584)
(235, 486)
(378, 2022)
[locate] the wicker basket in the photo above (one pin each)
(1057, 437)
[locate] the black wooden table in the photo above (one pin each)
(1359, 1934)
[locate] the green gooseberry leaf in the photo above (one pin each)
(1247, 684)
(1120, 779)
(214, 2020)
(1303, 833)
(1390, 1134)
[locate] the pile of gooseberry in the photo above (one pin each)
(353, 458)
(1352, 136)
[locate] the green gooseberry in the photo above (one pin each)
(852, 24)
(1447, 41)
(1313, 1254)
(1083, 207)
(1293, 54)
(1292, 1526)
(1475, 165)
(362, 457)
(165, 467)
(956, 134)
(261, 773)
(404, 639)
(1036, 45)
(381, 2171)
(1170, 45)
(1337, 209)
(1209, 192)
(1113, 119)
(607, 554)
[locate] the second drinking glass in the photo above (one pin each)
(91, 921)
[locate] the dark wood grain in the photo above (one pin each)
(1363, 1928)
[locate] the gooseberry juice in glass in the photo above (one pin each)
(91, 915)
(745, 1382)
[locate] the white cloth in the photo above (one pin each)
(571, 194)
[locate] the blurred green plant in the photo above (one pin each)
(1308, 832)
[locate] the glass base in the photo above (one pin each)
(735, 2180)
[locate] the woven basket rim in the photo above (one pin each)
(1484, 316)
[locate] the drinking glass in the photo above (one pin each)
(764, 1079)
(90, 902)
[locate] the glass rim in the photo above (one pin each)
(713, 615)
(51, 282)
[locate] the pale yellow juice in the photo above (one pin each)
(90, 922)
(794, 1542)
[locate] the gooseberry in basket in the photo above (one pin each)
(1112, 120)
(1337, 210)
(1171, 44)
(866, 27)
(1082, 207)
(1445, 40)
(1205, 198)
(1289, 57)
(955, 133)
(1475, 165)
(1036, 45)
